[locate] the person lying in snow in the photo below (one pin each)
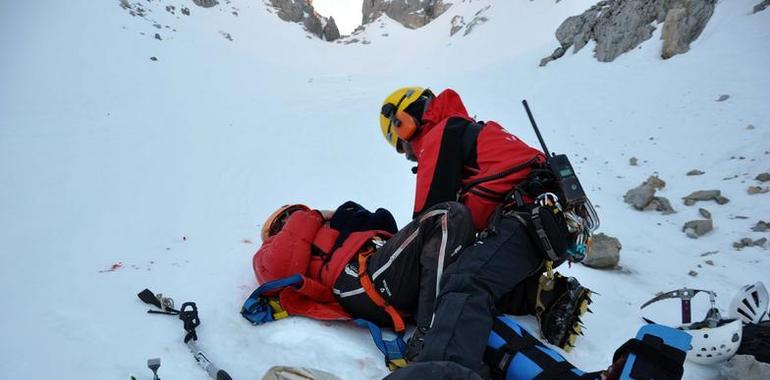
(322, 251)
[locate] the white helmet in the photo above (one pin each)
(751, 303)
(712, 345)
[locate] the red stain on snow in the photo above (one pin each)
(113, 268)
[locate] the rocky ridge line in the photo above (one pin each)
(412, 14)
(302, 11)
(619, 26)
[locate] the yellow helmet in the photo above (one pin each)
(393, 121)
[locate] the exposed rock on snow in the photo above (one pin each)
(748, 242)
(693, 273)
(302, 11)
(763, 177)
(478, 19)
(409, 13)
(722, 98)
(705, 195)
(633, 161)
(761, 6)
(752, 190)
(643, 197)
(205, 3)
(604, 252)
(458, 22)
(619, 26)
(744, 367)
(704, 213)
(761, 226)
(696, 228)
(661, 204)
(695, 172)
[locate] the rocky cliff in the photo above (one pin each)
(302, 11)
(618, 26)
(409, 13)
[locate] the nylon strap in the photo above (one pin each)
(374, 295)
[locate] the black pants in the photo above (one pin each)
(407, 269)
(481, 276)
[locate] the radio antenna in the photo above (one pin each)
(537, 130)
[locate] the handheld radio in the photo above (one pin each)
(558, 164)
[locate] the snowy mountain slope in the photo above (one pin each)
(168, 167)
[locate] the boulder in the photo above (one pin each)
(619, 26)
(722, 98)
(695, 172)
(705, 195)
(604, 252)
(643, 195)
(761, 226)
(697, 228)
(205, 3)
(752, 190)
(762, 177)
(748, 242)
(761, 6)
(640, 196)
(744, 367)
(660, 204)
(704, 213)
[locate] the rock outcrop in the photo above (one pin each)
(302, 11)
(409, 13)
(619, 26)
(643, 197)
(761, 6)
(205, 3)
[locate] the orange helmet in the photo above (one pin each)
(278, 218)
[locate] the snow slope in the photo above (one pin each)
(168, 167)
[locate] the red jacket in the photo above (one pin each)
(303, 246)
(461, 160)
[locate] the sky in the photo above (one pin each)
(346, 13)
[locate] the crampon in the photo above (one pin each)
(560, 304)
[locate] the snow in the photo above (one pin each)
(169, 167)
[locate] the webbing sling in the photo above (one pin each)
(374, 295)
(259, 308)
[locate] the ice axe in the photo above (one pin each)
(684, 294)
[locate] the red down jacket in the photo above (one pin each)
(303, 246)
(461, 160)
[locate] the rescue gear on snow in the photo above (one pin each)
(714, 339)
(393, 349)
(560, 304)
(559, 165)
(657, 352)
(684, 294)
(188, 313)
(154, 365)
(261, 307)
(750, 304)
(277, 219)
(395, 122)
(712, 345)
(297, 373)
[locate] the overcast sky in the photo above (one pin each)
(346, 13)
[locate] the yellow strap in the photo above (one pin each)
(278, 311)
(396, 364)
